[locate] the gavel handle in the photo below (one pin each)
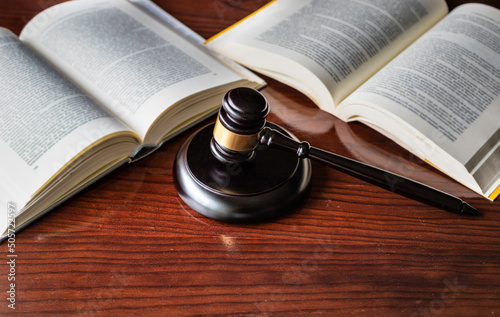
(384, 179)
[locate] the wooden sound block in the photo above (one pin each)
(272, 184)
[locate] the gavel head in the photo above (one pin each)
(239, 123)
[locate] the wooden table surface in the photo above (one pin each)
(129, 246)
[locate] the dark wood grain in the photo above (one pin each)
(129, 246)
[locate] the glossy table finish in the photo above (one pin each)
(129, 246)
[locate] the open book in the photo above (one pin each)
(90, 85)
(427, 79)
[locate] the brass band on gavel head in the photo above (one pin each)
(233, 141)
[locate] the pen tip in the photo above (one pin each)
(468, 210)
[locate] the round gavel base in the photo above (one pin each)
(272, 184)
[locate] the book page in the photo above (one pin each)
(45, 122)
(342, 43)
(129, 62)
(447, 87)
(171, 22)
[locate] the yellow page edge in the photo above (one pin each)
(240, 21)
(495, 194)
